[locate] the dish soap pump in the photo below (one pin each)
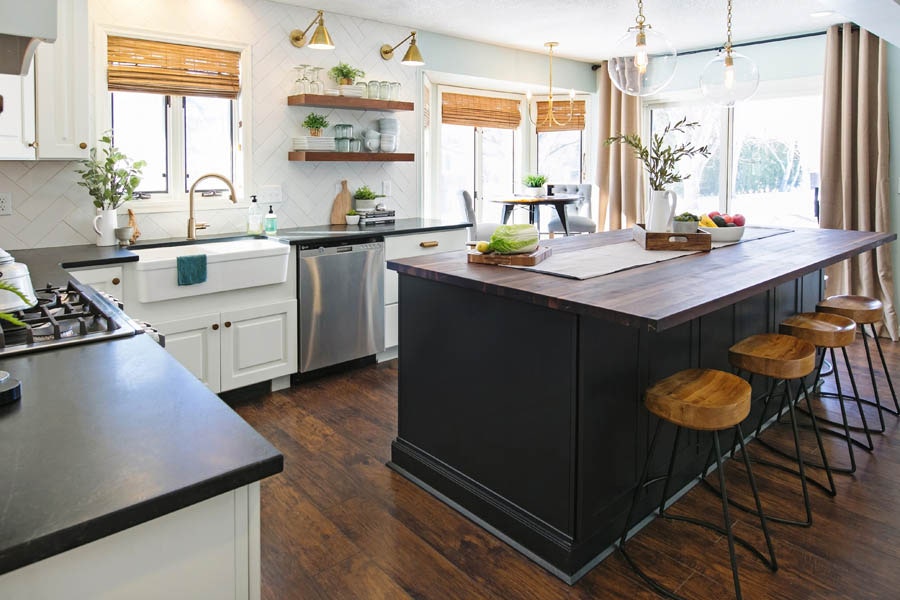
(254, 218)
(271, 222)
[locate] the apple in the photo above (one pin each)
(739, 220)
(728, 218)
(712, 214)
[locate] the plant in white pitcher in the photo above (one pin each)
(110, 178)
(660, 160)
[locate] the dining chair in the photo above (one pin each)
(478, 231)
(578, 214)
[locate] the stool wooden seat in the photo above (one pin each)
(862, 309)
(774, 355)
(825, 330)
(701, 399)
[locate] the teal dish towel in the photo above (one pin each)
(191, 269)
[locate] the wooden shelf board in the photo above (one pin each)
(307, 156)
(347, 102)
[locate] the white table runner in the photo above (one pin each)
(603, 260)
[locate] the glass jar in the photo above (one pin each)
(395, 90)
(343, 130)
(384, 90)
(355, 145)
(373, 90)
(363, 89)
(342, 144)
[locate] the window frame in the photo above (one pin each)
(772, 89)
(176, 200)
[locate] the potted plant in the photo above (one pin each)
(8, 287)
(534, 185)
(315, 123)
(110, 178)
(352, 217)
(660, 161)
(686, 223)
(344, 74)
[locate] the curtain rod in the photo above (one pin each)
(757, 43)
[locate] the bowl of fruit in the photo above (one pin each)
(723, 227)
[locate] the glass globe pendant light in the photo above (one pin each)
(729, 77)
(645, 60)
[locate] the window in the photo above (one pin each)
(176, 107)
(560, 153)
(770, 146)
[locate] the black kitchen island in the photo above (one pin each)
(520, 394)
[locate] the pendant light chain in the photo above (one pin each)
(728, 30)
(639, 19)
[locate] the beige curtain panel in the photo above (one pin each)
(135, 65)
(618, 175)
(855, 163)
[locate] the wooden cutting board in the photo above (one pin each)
(341, 205)
(516, 260)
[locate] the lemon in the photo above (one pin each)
(483, 247)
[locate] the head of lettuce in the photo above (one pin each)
(514, 239)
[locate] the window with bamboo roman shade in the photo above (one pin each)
(561, 112)
(480, 111)
(162, 68)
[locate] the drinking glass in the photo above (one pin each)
(384, 90)
(316, 86)
(373, 90)
(301, 84)
(395, 90)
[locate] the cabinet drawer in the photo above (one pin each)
(420, 244)
(104, 279)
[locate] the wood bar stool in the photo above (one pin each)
(701, 400)
(781, 358)
(865, 311)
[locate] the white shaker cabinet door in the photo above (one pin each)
(258, 343)
(194, 342)
(17, 117)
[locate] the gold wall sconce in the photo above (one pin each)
(412, 58)
(320, 39)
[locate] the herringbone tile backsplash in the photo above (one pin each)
(51, 210)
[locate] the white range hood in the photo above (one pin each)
(23, 25)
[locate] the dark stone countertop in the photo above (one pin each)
(110, 435)
(319, 233)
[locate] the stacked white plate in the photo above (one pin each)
(308, 142)
(351, 91)
(332, 92)
(388, 125)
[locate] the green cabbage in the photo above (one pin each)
(515, 239)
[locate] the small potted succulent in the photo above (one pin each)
(344, 74)
(315, 123)
(352, 217)
(534, 185)
(686, 223)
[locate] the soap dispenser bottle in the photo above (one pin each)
(254, 218)
(271, 222)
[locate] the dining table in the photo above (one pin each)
(558, 201)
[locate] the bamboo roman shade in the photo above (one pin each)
(162, 68)
(561, 112)
(480, 111)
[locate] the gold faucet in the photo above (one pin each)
(193, 226)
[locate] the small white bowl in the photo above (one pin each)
(724, 234)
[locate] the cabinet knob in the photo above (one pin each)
(215, 326)
(82, 145)
(116, 281)
(227, 323)
(33, 144)
(433, 244)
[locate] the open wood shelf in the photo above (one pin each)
(307, 156)
(347, 102)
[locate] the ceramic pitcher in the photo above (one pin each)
(661, 213)
(105, 224)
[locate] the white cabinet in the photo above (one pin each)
(61, 86)
(236, 348)
(46, 113)
(406, 246)
(17, 117)
(105, 279)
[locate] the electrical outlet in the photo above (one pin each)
(5, 203)
(270, 194)
(386, 188)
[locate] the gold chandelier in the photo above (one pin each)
(551, 119)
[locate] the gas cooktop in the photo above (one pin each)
(64, 316)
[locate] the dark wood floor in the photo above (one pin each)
(337, 523)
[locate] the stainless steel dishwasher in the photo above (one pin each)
(340, 286)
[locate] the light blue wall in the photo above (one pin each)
(465, 57)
